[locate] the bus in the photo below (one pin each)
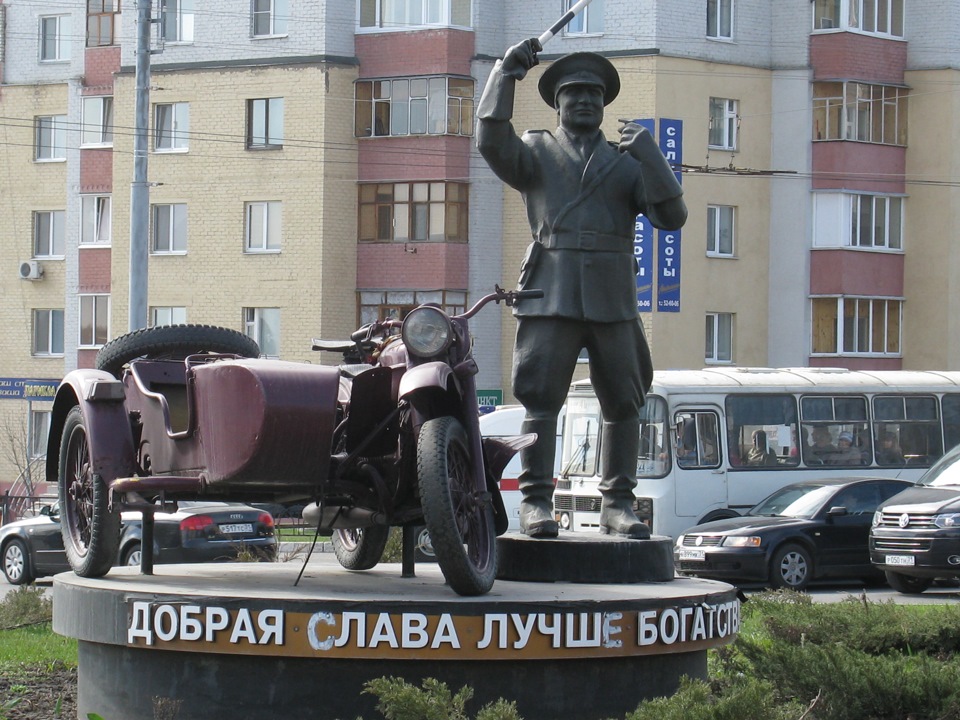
(714, 442)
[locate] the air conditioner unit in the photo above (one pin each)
(31, 270)
(826, 23)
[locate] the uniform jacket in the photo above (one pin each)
(581, 208)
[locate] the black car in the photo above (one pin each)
(808, 530)
(915, 537)
(196, 532)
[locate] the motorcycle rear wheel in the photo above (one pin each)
(456, 508)
(360, 548)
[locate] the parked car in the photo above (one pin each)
(196, 532)
(915, 538)
(805, 531)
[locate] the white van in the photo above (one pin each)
(506, 420)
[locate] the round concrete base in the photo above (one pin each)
(238, 640)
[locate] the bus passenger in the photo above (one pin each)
(760, 453)
(822, 449)
(847, 453)
(888, 451)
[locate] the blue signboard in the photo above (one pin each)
(28, 389)
(668, 241)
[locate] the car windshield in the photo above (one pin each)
(946, 471)
(800, 501)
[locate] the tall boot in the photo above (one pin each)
(618, 460)
(536, 481)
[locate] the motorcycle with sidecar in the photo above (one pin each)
(389, 438)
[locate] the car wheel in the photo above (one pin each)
(907, 584)
(131, 556)
(16, 563)
(173, 342)
(791, 567)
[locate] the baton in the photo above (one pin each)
(562, 22)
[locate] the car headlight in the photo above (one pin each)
(741, 541)
(877, 515)
(427, 331)
(947, 520)
(679, 542)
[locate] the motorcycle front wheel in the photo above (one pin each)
(456, 508)
(360, 548)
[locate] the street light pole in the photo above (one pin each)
(140, 188)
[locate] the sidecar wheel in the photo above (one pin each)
(457, 508)
(174, 342)
(91, 532)
(360, 548)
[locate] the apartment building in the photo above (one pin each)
(312, 166)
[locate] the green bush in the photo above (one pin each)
(399, 700)
(27, 605)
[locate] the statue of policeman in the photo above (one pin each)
(582, 196)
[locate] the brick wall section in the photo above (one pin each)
(94, 270)
(96, 170)
(430, 52)
(421, 266)
(855, 272)
(434, 157)
(98, 68)
(866, 167)
(851, 56)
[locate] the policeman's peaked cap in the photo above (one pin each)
(579, 68)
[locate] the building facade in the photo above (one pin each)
(312, 166)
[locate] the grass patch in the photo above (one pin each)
(26, 636)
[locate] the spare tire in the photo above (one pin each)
(173, 342)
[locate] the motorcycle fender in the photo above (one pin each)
(429, 375)
(497, 452)
(109, 437)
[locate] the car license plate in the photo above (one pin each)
(692, 554)
(236, 528)
(900, 560)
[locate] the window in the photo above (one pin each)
(170, 228)
(720, 19)
(54, 38)
(695, 443)
(51, 137)
(399, 14)
(876, 221)
(167, 316)
(263, 325)
(856, 326)
(263, 226)
(724, 123)
(48, 332)
(414, 106)
(864, 221)
(720, 230)
(395, 304)
(48, 233)
(588, 21)
(914, 424)
(171, 126)
(826, 14)
(39, 429)
(269, 17)
(413, 212)
(176, 21)
(835, 430)
(97, 126)
(878, 17)
(94, 320)
(265, 123)
(860, 112)
(95, 223)
(719, 338)
(762, 431)
(101, 16)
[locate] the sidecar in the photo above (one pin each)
(184, 425)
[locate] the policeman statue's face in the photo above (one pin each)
(581, 107)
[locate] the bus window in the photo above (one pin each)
(653, 458)
(913, 420)
(775, 416)
(950, 405)
(696, 439)
(581, 437)
(835, 430)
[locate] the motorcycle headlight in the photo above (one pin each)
(427, 331)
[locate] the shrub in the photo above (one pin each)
(27, 605)
(399, 700)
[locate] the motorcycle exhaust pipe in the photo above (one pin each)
(330, 517)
